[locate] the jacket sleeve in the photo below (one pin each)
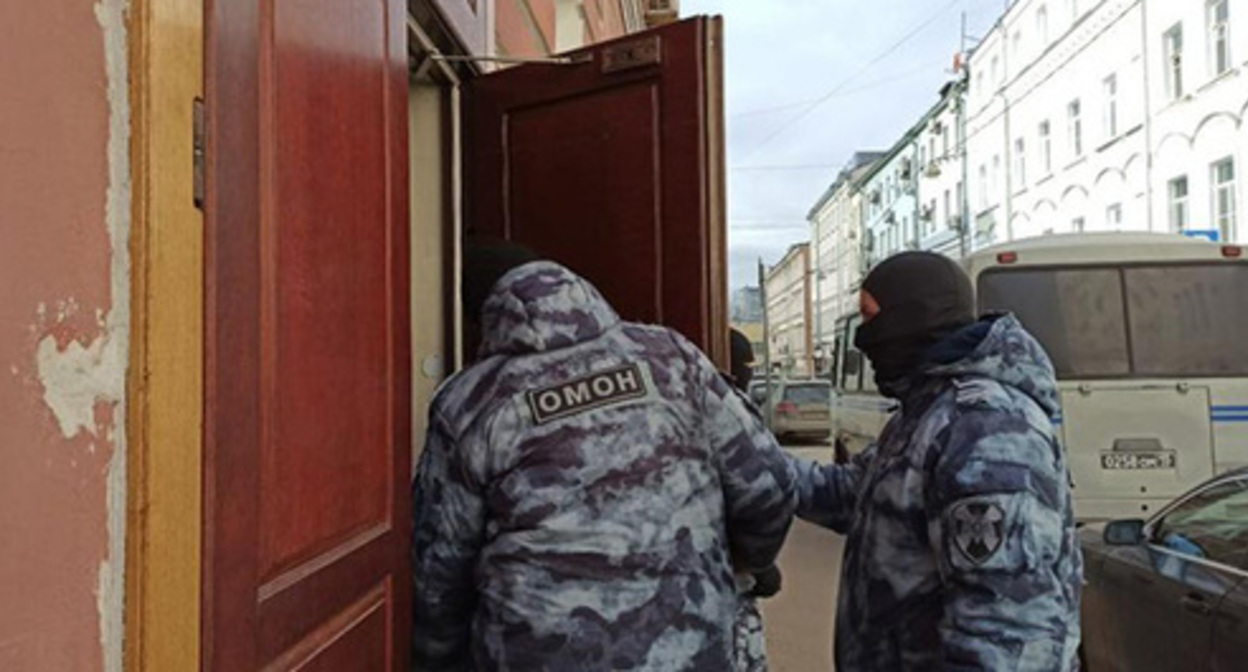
(1001, 527)
(758, 489)
(448, 524)
(828, 493)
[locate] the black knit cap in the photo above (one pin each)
(486, 261)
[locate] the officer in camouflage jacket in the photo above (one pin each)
(584, 492)
(961, 551)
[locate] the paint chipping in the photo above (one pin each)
(114, 350)
(76, 378)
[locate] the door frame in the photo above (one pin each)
(164, 417)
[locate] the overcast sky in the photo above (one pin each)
(875, 65)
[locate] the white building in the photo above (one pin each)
(1109, 115)
(835, 222)
(1198, 98)
(891, 209)
(787, 295)
(941, 181)
(1056, 116)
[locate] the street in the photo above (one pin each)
(799, 620)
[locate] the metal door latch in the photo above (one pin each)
(631, 55)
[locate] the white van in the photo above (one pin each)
(1149, 337)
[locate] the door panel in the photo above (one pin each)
(307, 442)
(1154, 595)
(1230, 636)
(612, 165)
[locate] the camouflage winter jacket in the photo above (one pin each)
(583, 493)
(961, 551)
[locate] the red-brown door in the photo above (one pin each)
(307, 447)
(613, 166)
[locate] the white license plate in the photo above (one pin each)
(1165, 459)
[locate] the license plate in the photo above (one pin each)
(1138, 460)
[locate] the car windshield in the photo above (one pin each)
(808, 394)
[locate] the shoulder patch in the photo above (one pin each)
(978, 529)
(598, 390)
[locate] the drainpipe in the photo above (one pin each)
(762, 293)
(964, 199)
(1149, 195)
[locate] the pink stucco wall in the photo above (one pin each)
(58, 434)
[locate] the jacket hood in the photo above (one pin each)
(542, 306)
(999, 348)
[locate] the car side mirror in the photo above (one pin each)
(1125, 533)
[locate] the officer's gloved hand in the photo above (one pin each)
(766, 583)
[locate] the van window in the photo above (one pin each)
(1158, 320)
(1189, 320)
(1077, 314)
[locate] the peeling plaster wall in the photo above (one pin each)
(64, 333)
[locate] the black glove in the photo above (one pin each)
(766, 583)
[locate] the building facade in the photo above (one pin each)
(788, 297)
(891, 213)
(533, 28)
(1197, 94)
(836, 235)
(941, 187)
(1117, 115)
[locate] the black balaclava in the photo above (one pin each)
(923, 298)
(742, 355)
(485, 263)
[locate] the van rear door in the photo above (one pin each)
(1132, 449)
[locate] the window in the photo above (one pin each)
(947, 213)
(1076, 314)
(1160, 320)
(1073, 5)
(1018, 46)
(996, 175)
(1176, 189)
(1074, 128)
(1223, 174)
(1042, 25)
(1212, 525)
(1188, 320)
(996, 71)
(1219, 36)
(1046, 146)
(1113, 217)
(957, 207)
(983, 187)
(808, 393)
(1174, 61)
(1078, 225)
(1111, 106)
(944, 139)
(1020, 163)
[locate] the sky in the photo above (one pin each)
(808, 83)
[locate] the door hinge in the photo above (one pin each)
(199, 153)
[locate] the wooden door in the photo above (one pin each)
(613, 166)
(307, 443)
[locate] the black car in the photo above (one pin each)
(1171, 593)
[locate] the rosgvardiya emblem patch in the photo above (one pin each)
(978, 530)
